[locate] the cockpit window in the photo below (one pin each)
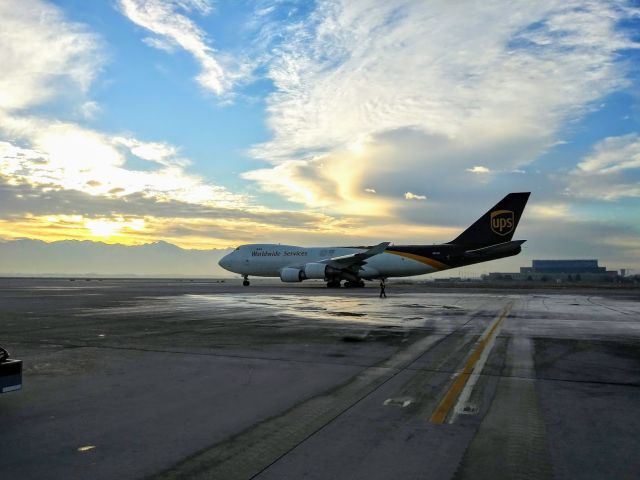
(237, 249)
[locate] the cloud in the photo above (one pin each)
(158, 152)
(616, 245)
(24, 199)
(46, 56)
(478, 169)
(396, 95)
(176, 29)
(43, 55)
(62, 180)
(613, 154)
(48, 213)
(66, 156)
(549, 211)
(321, 183)
(160, 44)
(610, 172)
(89, 109)
(413, 196)
(431, 90)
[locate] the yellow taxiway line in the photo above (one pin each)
(447, 402)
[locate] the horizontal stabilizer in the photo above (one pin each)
(495, 249)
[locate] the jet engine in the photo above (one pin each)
(310, 270)
(292, 275)
(316, 270)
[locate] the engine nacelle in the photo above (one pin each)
(292, 275)
(316, 270)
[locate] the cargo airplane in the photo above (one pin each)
(489, 238)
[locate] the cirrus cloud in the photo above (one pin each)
(431, 90)
(43, 55)
(610, 172)
(173, 29)
(61, 180)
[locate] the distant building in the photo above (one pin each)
(563, 266)
(559, 271)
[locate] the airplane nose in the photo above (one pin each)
(224, 262)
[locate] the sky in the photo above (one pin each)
(207, 124)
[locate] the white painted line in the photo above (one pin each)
(12, 388)
(460, 406)
(401, 402)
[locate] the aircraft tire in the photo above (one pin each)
(246, 283)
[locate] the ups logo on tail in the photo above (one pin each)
(502, 222)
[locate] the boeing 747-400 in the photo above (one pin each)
(489, 238)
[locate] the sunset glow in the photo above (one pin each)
(376, 127)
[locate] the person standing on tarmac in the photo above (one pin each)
(382, 292)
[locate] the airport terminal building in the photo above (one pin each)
(559, 271)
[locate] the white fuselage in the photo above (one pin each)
(268, 260)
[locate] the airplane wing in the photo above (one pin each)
(356, 259)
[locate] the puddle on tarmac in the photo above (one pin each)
(294, 307)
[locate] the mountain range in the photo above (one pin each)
(27, 257)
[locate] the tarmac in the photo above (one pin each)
(168, 379)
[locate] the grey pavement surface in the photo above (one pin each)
(205, 379)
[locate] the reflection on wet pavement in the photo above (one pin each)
(390, 311)
(170, 377)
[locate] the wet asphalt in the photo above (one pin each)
(201, 379)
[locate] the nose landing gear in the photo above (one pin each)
(246, 281)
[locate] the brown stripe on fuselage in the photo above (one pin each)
(419, 258)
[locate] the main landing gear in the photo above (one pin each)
(246, 281)
(348, 284)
